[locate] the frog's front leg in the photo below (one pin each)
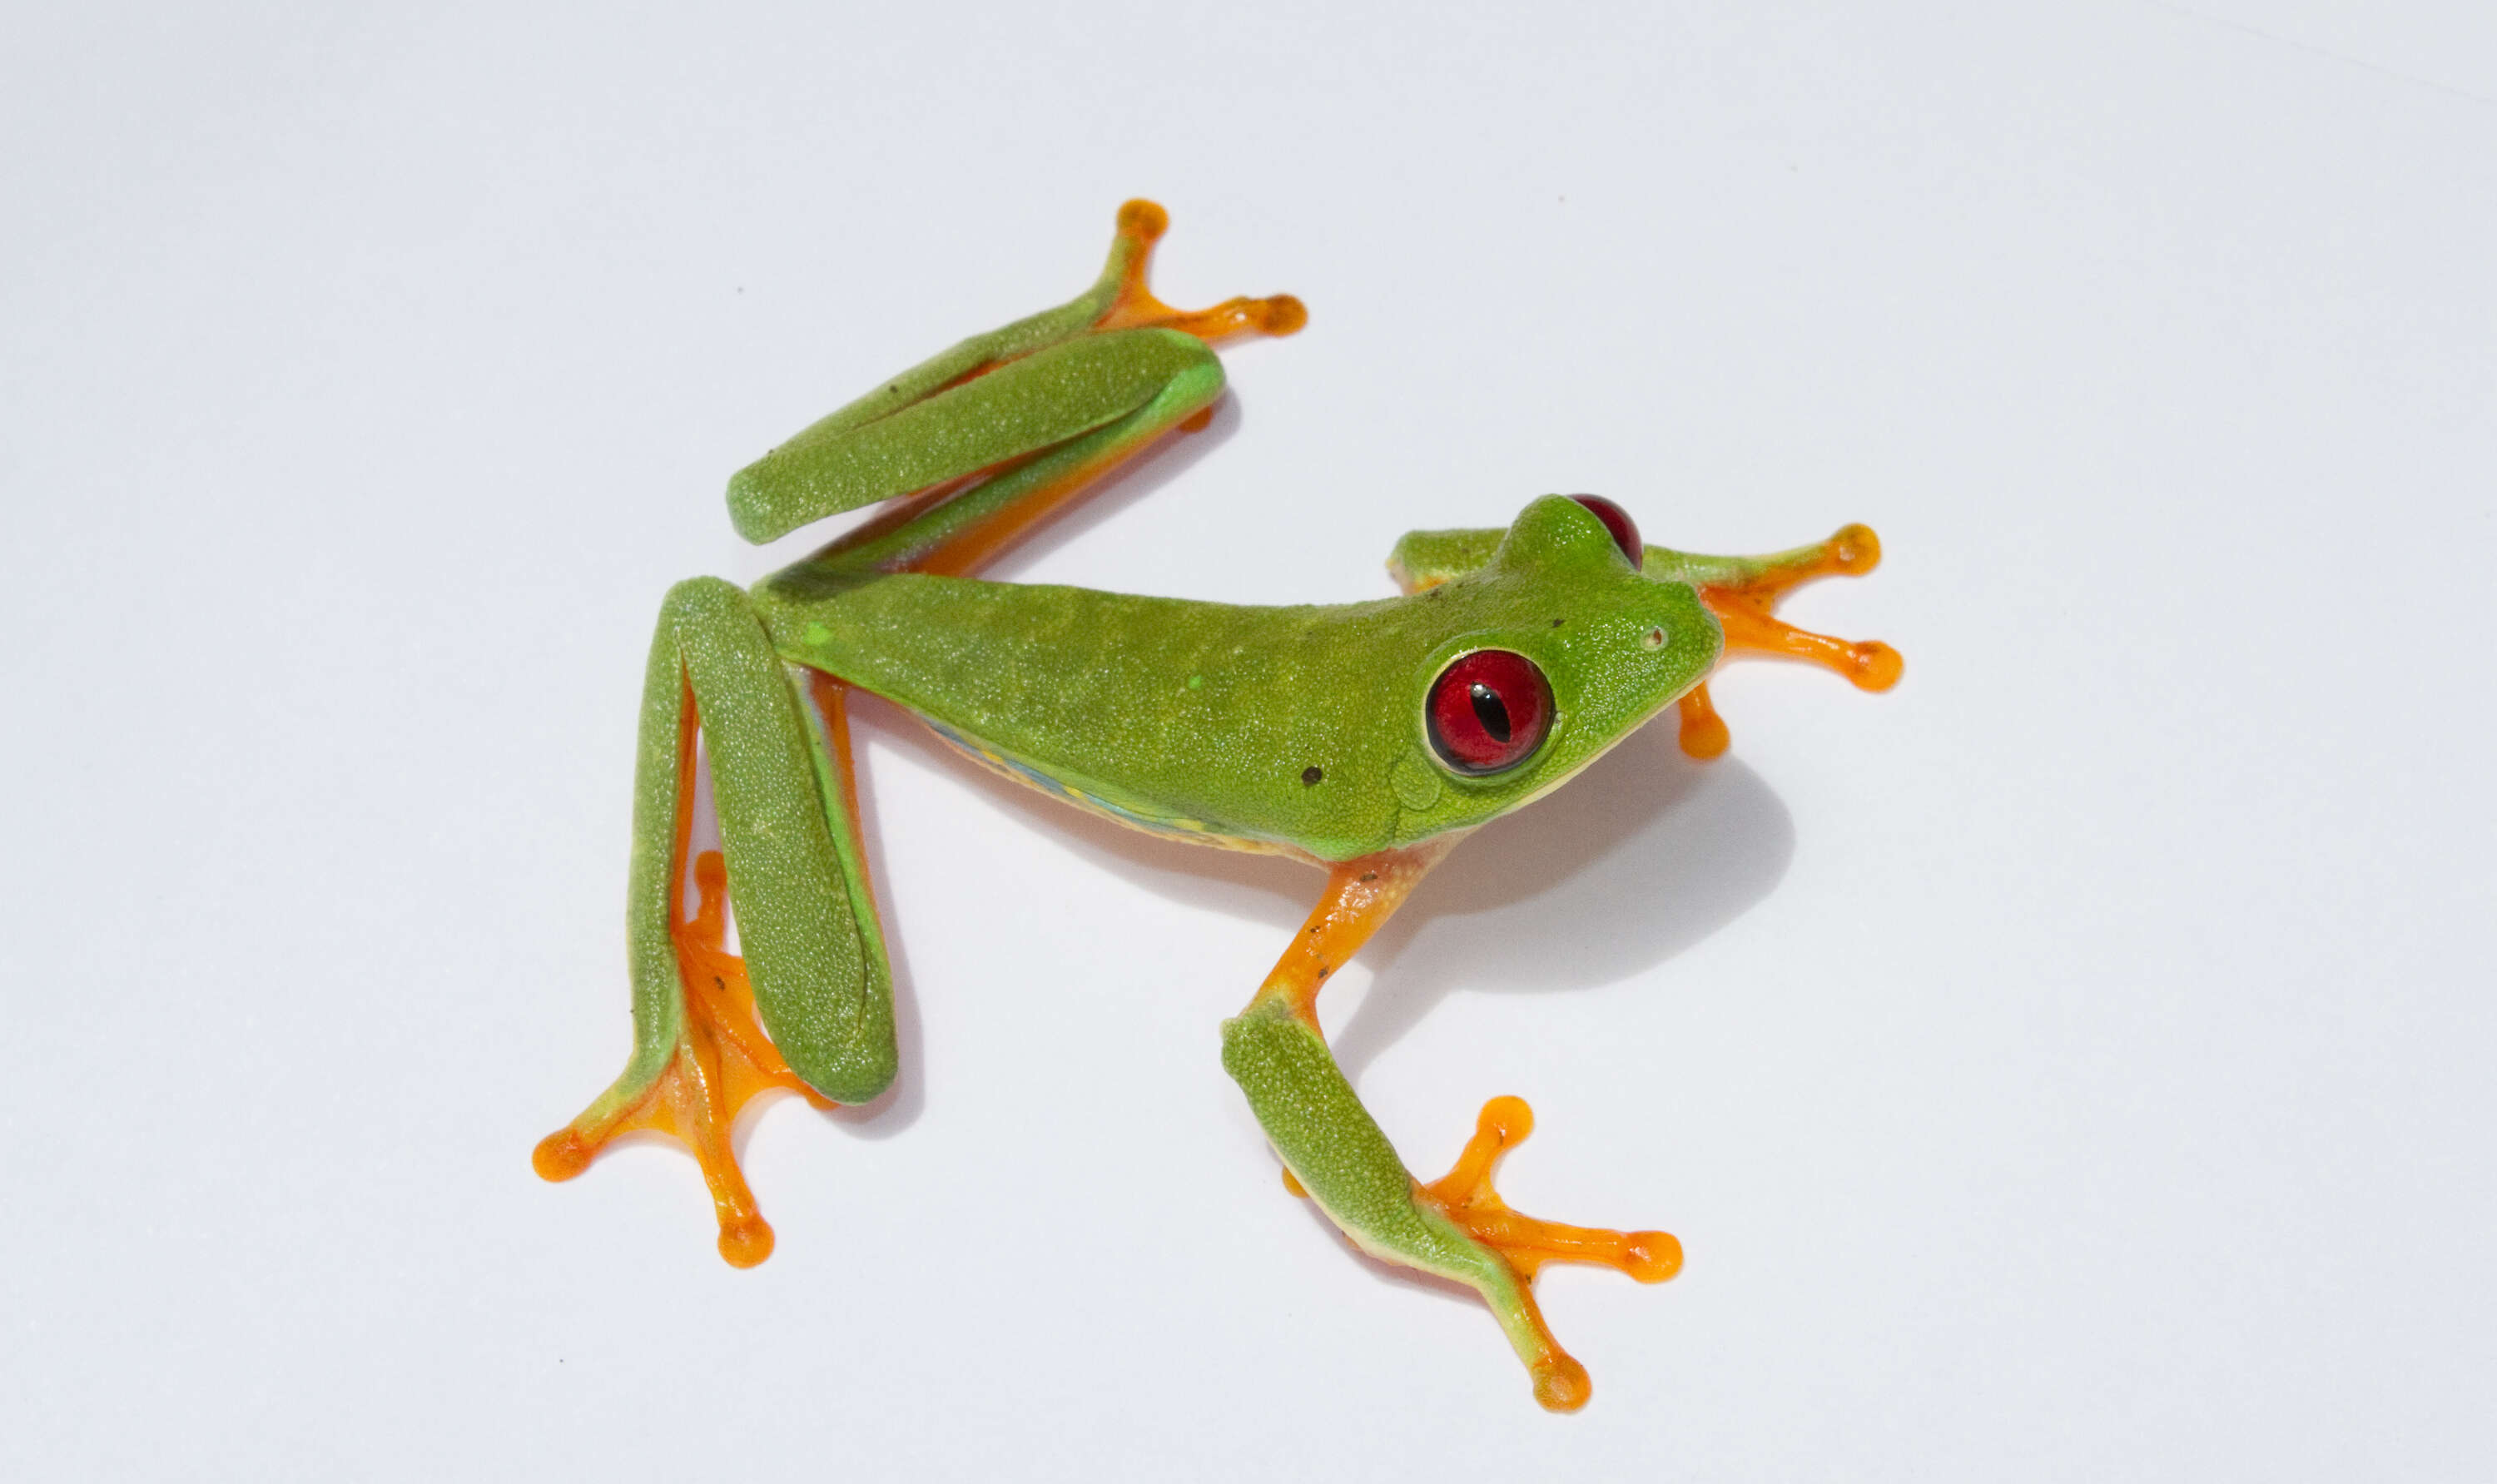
(1456, 1227)
(815, 966)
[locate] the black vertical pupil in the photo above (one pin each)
(1491, 710)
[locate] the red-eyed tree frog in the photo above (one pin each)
(1367, 738)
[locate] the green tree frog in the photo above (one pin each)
(1367, 738)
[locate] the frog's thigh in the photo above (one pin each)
(1020, 407)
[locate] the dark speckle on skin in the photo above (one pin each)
(1369, 875)
(1556, 624)
(1323, 971)
(1310, 775)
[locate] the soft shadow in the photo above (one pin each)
(1638, 858)
(1641, 856)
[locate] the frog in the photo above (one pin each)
(1366, 738)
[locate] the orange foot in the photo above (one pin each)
(722, 1060)
(1141, 224)
(1466, 1197)
(1743, 593)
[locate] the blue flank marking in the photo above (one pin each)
(1049, 785)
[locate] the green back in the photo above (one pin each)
(1300, 727)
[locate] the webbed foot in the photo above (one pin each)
(1466, 1197)
(1141, 224)
(722, 1060)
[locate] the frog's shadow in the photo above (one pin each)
(1638, 858)
(1641, 856)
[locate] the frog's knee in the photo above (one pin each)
(705, 602)
(704, 596)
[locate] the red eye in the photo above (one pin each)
(1488, 711)
(1617, 521)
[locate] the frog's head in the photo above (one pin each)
(1553, 650)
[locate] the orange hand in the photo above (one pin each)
(1745, 608)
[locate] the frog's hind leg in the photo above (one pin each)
(954, 531)
(810, 1008)
(1109, 371)
(1744, 591)
(1456, 1227)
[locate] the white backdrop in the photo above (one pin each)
(2074, 1064)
